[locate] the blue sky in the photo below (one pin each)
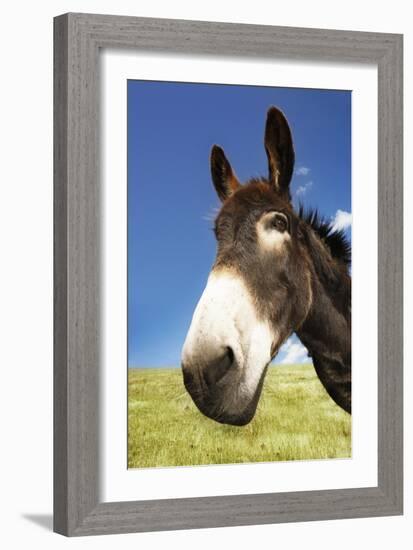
(171, 200)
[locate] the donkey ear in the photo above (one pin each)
(225, 181)
(280, 151)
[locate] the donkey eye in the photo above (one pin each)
(280, 222)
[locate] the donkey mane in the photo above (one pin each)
(334, 239)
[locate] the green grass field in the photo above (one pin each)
(295, 420)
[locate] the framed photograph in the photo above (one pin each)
(228, 274)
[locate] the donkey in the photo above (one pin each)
(276, 272)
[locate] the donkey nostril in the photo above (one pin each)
(230, 355)
(215, 371)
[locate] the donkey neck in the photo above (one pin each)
(326, 332)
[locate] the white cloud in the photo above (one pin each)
(302, 190)
(295, 352)
(302, 171)
(342, 220)
(212, 214)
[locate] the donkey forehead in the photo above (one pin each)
(250, 202)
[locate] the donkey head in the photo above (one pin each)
(259, 289)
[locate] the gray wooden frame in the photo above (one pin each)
(78, 39)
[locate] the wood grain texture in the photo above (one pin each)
(60, 485)
(78, 39)
(390, 273)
